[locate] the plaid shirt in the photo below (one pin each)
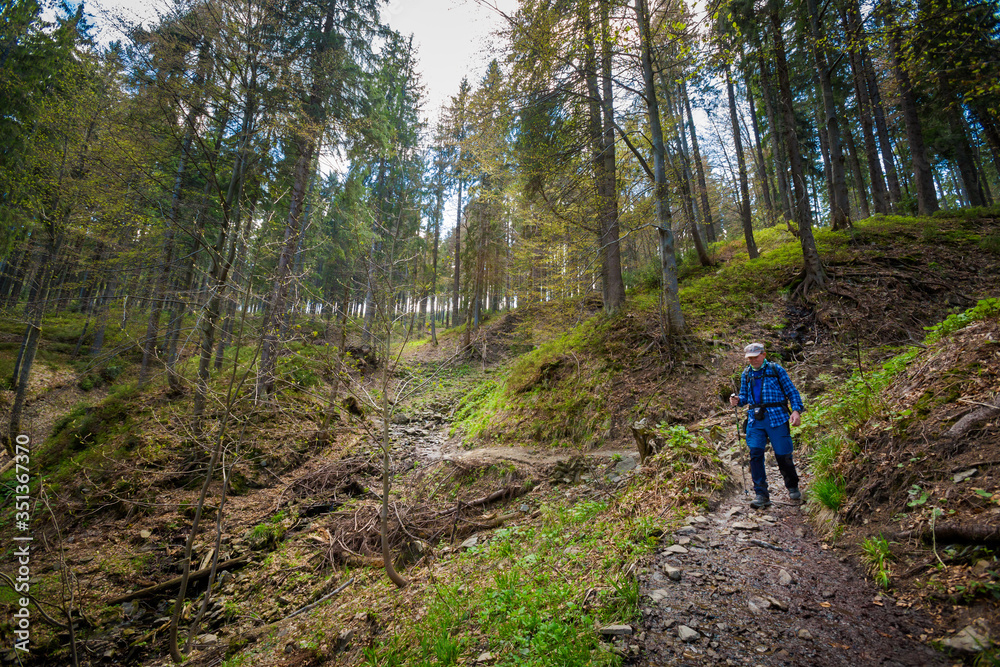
(757, 387)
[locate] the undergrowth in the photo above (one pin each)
(535, 601)
(877, 558)
(829, 426)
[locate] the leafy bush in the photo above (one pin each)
(983, 309)
(876, 555)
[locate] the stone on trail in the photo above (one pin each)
(784, 578)
(469, 543)
(686, 634)
(746, 525)
(485, 657)
(676, 549)
(674, 573)
(964, 475)
(757, 603)
(626, 464)
(686, 530)
(616, 630)
(658, 595)
(805, 634)
(145, 534)
(971, 639)
(777, 604)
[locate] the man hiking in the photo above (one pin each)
(766, 388)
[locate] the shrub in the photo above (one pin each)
(876, 556)
(829, 491)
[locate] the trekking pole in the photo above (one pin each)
(739, 437)
(743, 463)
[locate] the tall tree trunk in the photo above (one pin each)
(859, 179)
(762, 176)
(777, 138)
(276, 307)
(307, 145)
(849, 17)
(684, 174)
(813, 272)
(706, 208)
(960, 145)
(674, 318)
(840, 217)
(927, 201)
(882, 131)
(614, 285)
(458, 258)
(742, 164)
(29, 348)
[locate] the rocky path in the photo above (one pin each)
(744, 587)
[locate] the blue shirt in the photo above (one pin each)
(765, 386)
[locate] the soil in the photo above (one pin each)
(730, 591)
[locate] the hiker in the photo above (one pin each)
(766, 388)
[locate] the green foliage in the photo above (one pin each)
(478, 407)
(646, 276)
(984, 309)
(736, 290)
(876, 555)
(990, 243)
(829, 491)
(300, 371)
(825, 455)
(265, 536)
(527, 605)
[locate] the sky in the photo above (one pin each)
(453, 37)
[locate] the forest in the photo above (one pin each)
(236, 246)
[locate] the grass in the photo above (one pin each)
(530, 605)
(877, 556)
(829, 491)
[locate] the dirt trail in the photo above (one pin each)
(719, 595)
(428, 440)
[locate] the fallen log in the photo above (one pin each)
(945, 533)
(975, 418)
(170, 584)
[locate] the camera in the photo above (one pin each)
(759, 414)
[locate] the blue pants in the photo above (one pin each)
(758, 435)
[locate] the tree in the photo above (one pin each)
(671, 302)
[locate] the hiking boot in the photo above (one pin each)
(760, 502)
(794, 494)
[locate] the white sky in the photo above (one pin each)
(453, 37)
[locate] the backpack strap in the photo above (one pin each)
(774, 374)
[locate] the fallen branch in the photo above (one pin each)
(173, 583)
(322, 599)
(978, 464)
(503, 494)
(947, 533)
(974, 418)
(767, 545)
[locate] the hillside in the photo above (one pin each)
(528, 528)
